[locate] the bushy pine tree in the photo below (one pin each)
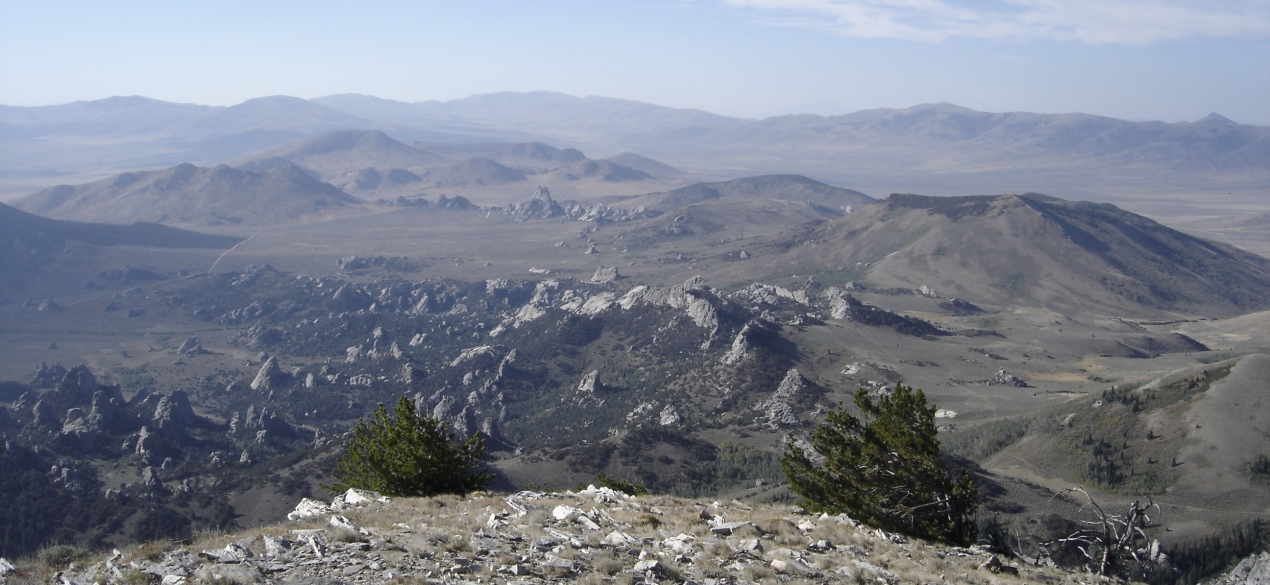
(410, 455)
(886, 473)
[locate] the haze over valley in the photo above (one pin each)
(198, 303)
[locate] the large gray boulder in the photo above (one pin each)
(174, 414)
(779, 409)
(191, 347)
(605, 275)
(270, 376)
(541, 206)
(1254, 570)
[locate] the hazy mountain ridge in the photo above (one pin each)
(676, 344)
(899, 147)
(373, 165)
(543, 112)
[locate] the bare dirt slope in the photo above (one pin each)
(1228, 429)
(1190, 454)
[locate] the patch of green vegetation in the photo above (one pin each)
(630, 488)
(687, 467)
(841, 275)
(1199, 560)
(736, 465)
(59, 556)
(1109, 444)
(1259, 469)
(887, 471)
(133, 379)
(753, 463)
(407, 455)
(1214, 357)
(37, 513)
(980, 442)
(1015, 284)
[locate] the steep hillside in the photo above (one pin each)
(1037, 250)
(1190, 439)
(186, 194)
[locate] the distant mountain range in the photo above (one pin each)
(938, 147)
(316, 176)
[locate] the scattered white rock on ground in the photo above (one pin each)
(595, 535)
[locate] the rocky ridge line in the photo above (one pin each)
(593, 535)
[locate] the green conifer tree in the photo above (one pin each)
(410, 456)
(886, 473)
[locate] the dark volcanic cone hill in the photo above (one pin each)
(784, 187)
(1041, 251)
(186, 194)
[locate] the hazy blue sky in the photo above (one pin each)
(1169, 60)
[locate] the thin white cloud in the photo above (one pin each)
(1131, 22)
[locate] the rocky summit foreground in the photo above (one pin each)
(594, 535)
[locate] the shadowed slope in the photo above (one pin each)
(32, 242)
(20, 225)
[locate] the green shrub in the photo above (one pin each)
(1259, 468)
(985, 440)
(886, 473)
(410, 456)
(629, 488)
(59, 556)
